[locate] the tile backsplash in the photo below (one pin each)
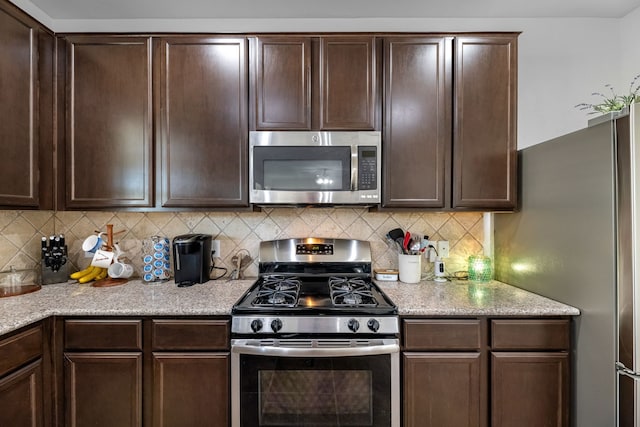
(21, 231)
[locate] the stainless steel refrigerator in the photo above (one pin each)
(576, 239)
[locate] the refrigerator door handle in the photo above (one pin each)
(627, 372)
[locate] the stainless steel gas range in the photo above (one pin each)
(314, 340)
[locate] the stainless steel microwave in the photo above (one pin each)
(314, 168)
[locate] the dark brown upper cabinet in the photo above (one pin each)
(201, 87)
(450, 122)
(348, 83)
(282, 91)
(417, 122)
(318, 83)
(484, 122)
(108, 134)
(26, 108)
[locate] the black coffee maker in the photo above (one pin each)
(191, 259)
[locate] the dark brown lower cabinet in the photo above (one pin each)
(21, 397)
(442, 389)
(191, 389)
(103, 373)
(444, 374)
(21, 378)
(122, 372)
(509, 372)
(529, 389)
(191, 367)
(530, 372)
(103, 389)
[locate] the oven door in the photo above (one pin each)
(315, 382)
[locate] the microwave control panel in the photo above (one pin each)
(367, 168)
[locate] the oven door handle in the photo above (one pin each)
(276, 351)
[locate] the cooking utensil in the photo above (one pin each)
(241, 262)
(397, 235)
(405, 243)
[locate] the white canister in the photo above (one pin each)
(410, 268)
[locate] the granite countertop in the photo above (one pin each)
(137, 298)
(464, 298)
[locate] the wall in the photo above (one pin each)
(630, 42)
(20, 231)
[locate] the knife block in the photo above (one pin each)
(48, 276)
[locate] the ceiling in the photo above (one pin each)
(252, 9)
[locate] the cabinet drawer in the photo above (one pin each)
(526, 334)
(441, 334)
(190, 334)
(103, 335)
(19, 349)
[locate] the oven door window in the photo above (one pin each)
(302, 168)
(315, 392)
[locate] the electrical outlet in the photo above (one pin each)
(215, 249)
(443, 248)
(432, 255)
(428, 243)
(429, 252)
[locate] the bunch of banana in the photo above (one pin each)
(90, 273)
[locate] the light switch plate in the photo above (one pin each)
(443, 248)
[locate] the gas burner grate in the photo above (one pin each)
(277, 291)
(351, 292)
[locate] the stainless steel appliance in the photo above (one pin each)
(191, 259)
(575, 239)
(314, 340)
(314, 168)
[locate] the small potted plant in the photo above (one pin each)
(613, 102)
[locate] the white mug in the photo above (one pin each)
(93, 243)
(102, 258)
(120, 270)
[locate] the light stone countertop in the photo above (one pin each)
(137, 298)
(464, 298)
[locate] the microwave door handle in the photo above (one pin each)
(354, 168)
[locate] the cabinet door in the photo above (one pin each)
(203, 121)
(108, 132)
(18, 100)
(348, 83)
(21, 397)
(530, 389)
(417, 119)
(484, 141)
(282, 83)
(442, 389)
(191, 389)
(103, 389)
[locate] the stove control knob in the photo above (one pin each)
(353, 325)
(276, 325)
(256, 325)
(373, 324)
